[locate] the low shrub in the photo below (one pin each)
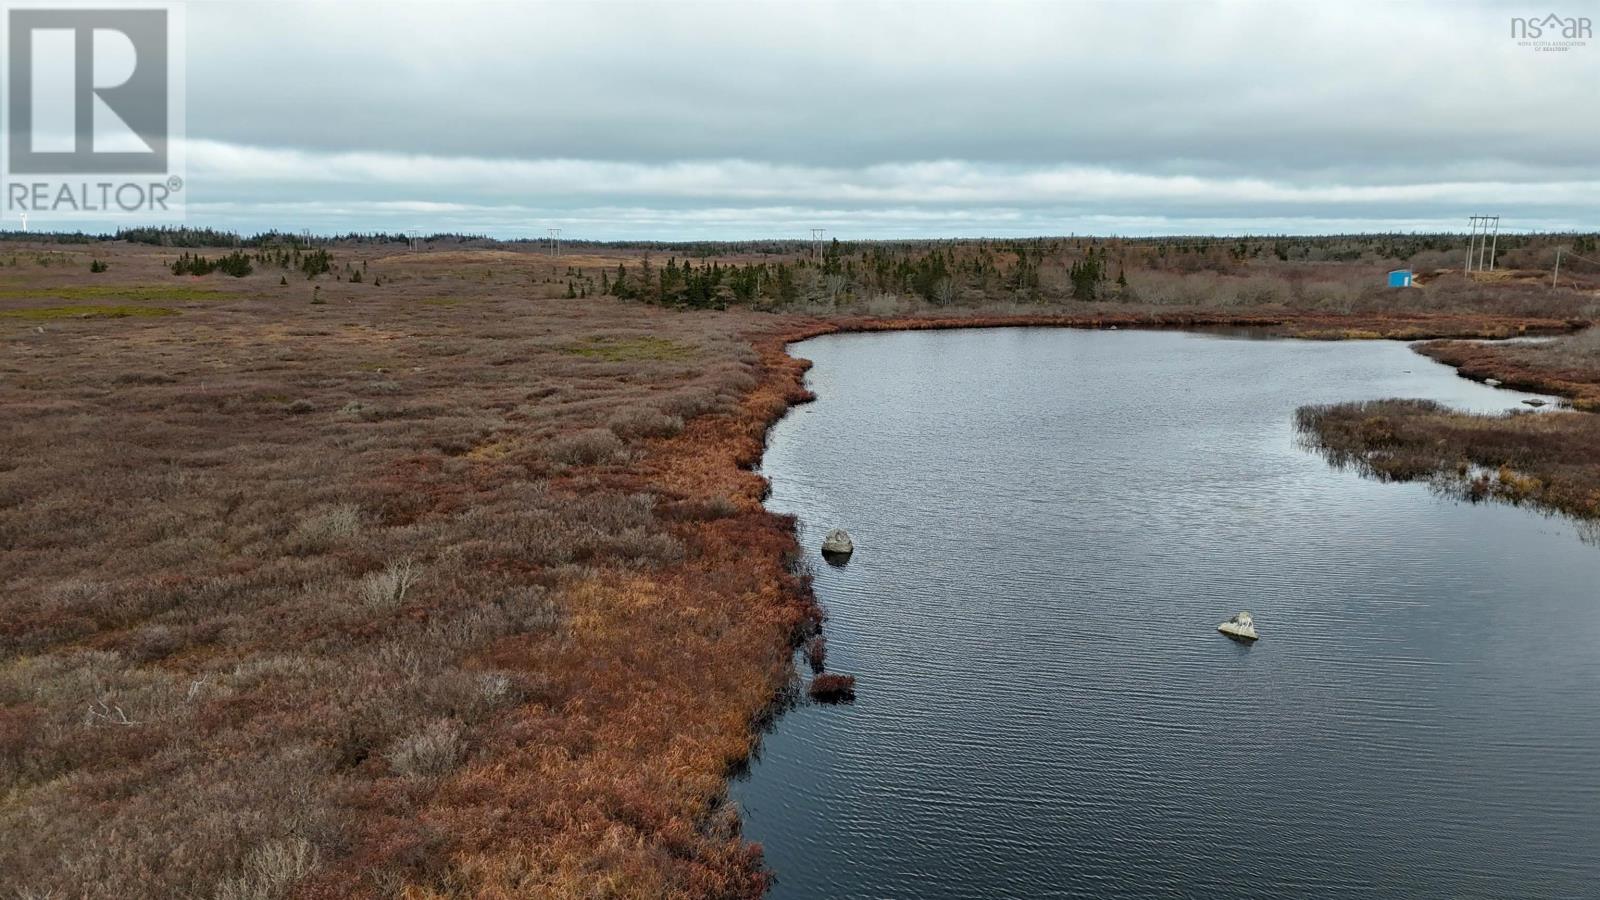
(319, 531)
(833, 688)
(386, 590)
(588, 447)
(817, 653)
(430, 753)
(643, 422)
(271, 871)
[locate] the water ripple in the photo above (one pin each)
(1049, 526)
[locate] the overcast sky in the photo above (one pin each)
(682, 120)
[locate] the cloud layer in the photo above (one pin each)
(689, 120)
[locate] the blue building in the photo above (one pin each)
(1400, 278)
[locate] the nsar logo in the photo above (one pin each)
(1552, 33)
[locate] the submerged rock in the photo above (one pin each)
(1535, 402)
(837, 543)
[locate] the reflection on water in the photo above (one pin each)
(1049, 525)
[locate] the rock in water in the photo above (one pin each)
(837, 543)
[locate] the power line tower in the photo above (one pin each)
(555, 242)
(816, 242)
(412, 239)
(1483, 236)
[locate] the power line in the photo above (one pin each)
(1556, 273)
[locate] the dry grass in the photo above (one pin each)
(376, 596)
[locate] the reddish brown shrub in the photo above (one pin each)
(817, 653)
(833, 688)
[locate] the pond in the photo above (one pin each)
(1049, 526)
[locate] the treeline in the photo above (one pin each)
(941, 276)
(236, 264)
(52, 237)
(184, 237)
(1042, 270)
(1315, 248)
(310, 262)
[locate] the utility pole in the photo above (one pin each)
(816, 242)
(24, 223)
(1483, 239)
(555, 242)
(411, 240)
(1557, 272)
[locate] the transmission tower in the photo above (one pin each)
(816, 242)
(555, 242)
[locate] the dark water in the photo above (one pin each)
(1049, 526)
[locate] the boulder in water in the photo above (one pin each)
(837, 543)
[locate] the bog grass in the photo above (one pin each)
(87, 311)
(129, 293)
(631, 349)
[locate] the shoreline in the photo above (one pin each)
(1288, 325)
(1481, 362)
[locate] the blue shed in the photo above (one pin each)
(1400, 278)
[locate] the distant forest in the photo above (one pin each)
(1321, 248)
(1328, 269)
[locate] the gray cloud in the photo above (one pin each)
(747, 119)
